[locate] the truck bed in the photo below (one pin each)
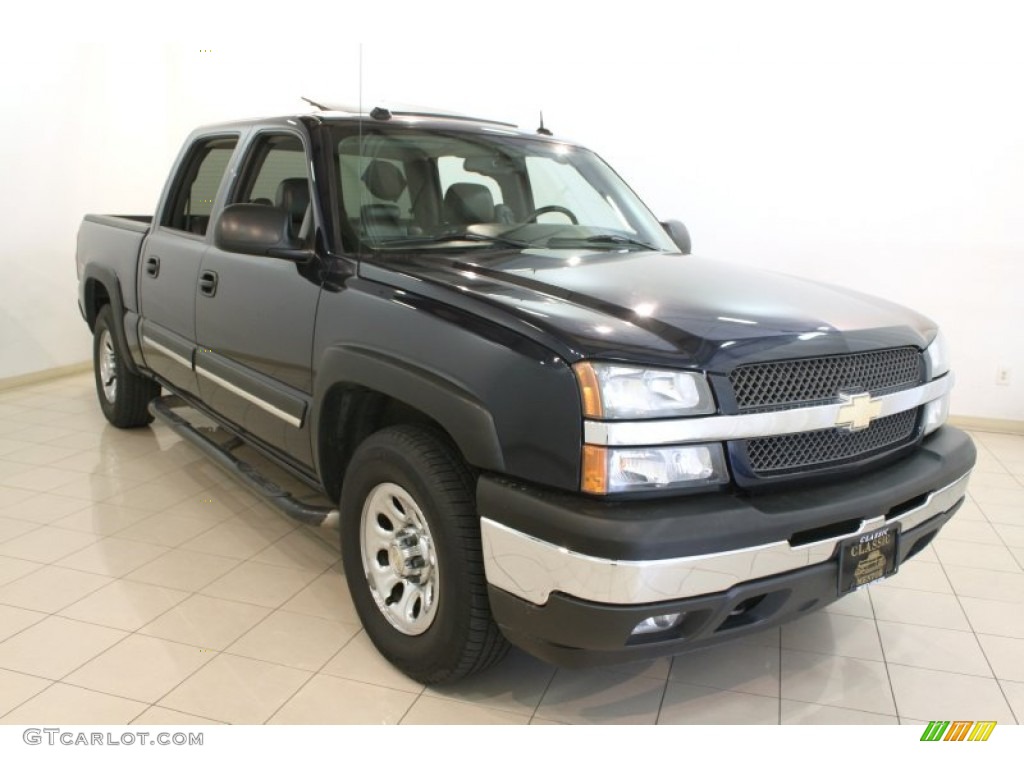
(131, 223)
(114, 243)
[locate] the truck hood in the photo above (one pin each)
(646, 306)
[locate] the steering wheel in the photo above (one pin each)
(551, 209)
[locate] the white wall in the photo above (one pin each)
(881, 147)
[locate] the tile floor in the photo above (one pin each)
(139, 584)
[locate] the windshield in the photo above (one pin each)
(405, 188)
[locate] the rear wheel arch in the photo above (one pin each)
(96, 297)
(100, 288)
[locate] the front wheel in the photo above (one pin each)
(410, 543)
(124, 396)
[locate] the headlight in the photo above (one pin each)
(618, 470)
(938, 356)
(937, 411)
(611, 391)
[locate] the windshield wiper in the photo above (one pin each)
(613, 239)
(451, 237)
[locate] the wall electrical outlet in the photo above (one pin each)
(1003, 377)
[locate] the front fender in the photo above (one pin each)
(461, 414)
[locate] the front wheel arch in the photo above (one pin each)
(353, 381)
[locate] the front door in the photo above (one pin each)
(255, 314)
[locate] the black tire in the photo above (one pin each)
(123, 395)
(453, 634)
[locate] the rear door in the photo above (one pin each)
(170, 260)
(255, 315)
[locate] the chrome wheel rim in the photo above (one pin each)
(399, 559)
(108, 366)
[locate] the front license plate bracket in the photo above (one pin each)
(868, 557)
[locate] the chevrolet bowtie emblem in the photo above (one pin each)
(858, 411)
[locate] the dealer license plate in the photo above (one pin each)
(868, 557)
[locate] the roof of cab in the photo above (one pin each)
(398, 114)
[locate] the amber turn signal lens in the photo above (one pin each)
(595, 469)
(590, 390)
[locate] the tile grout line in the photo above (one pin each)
(885, 659)
(837, 706)
(408, 709)
(224, 651)
(664, 692)
(998, 681)
(30, 698)
(232, 569)
(780, 673)
(1003, 465)
(320, 671)
(91, 659)
(547, 688)
(874, 620)
(239, 564)
(1014, 555)
(130, 633)
(103, 537)
(345, 645)
(178, 711)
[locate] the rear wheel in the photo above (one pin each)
(123, 395)
(410, 541)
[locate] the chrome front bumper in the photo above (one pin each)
(532, 569)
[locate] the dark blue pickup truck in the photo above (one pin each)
(540, 420)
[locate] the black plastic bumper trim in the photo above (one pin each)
(718, 522)
(577, 633)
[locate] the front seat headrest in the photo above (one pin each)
(293, 198)
(468, 204)
(384, 180)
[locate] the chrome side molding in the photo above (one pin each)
(166, 352)
(273, 410)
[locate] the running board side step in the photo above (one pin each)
(310, 514)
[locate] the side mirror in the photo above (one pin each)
(679, 233)
(260, 230)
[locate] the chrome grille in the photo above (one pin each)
(808, 450)
(815, 381)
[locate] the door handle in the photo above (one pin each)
(152, 266)
(208, 283)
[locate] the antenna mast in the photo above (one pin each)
(542, 130)
(315, 104)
